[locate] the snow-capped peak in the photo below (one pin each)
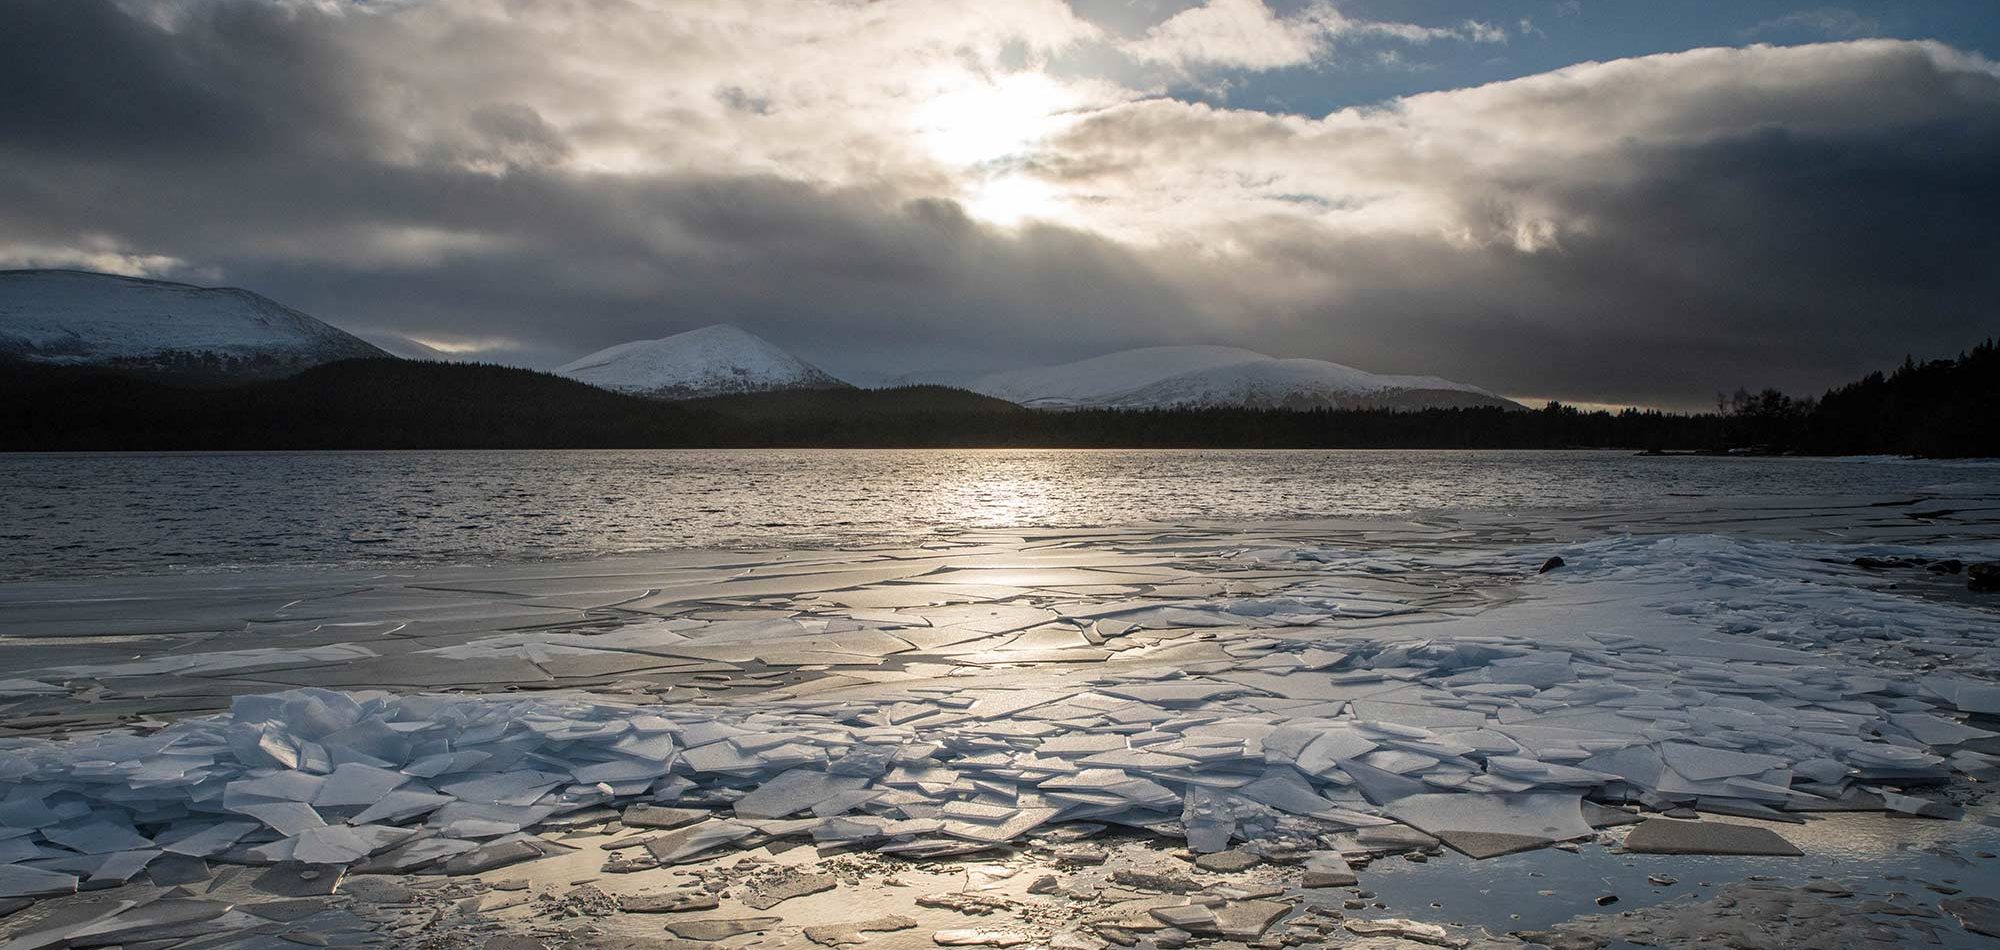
(711, 361)
(1163, 376)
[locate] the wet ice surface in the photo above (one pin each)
(1284, 701)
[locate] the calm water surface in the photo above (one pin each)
(110, 513)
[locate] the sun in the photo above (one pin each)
(1011, 199)
(974, 120)
(983, 128)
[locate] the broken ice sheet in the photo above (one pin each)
(1484, 826)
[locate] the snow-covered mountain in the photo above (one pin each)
(711, 361)
(79, 318)
(1162, 376)
(403, 347)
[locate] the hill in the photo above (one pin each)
(710, 361)
(76, 318)
(1161, 377)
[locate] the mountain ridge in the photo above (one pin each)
(1223, 376)
(82, 318)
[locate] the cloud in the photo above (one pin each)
(1243, 34)
(902, 184)
(1247, 34)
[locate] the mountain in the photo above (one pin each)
(85, 319)
(1224, 376)
(1096, 381)
(403, 347)
(711, 361)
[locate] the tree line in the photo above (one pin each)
(1941, 408)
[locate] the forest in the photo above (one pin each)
(1941, 408)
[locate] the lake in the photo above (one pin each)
(89, 514)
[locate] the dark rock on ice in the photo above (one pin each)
(1984, 575)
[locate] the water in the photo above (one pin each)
(114, 513)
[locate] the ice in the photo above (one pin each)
(695, 839)
(1670, 836)
(355, 784)
(21, 881)
(96, 835)
(401, 804)
(793, 792)
(1732, 675)
(1488, 825)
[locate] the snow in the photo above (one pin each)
(71, 317)
(1166, 376)
(711, 361)
(1094, 381)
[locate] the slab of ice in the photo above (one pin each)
(22, 881)
(795, 791)
(1488, 825)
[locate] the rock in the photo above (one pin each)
(1164, 882)
(1984, 575)
(667, 902)
(511, 942)
(1227, 862)
(1668, 836)
(1083, 855)
(1879, 563)
(1947, 566)
(720, 928)
(1551, 564)
(1046, 884)
(979, 938)
(1606, 900)
(658, 816)
(1662, 880)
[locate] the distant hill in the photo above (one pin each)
(1162, 377)
(1942, 408)
(710, 361)
(404, 347)
(388, 403)
(75, 318)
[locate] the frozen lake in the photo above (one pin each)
(119, 513)
(927, 696)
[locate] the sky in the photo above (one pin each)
(1622, 203)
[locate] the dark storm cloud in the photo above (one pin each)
(1770, 259)
(1645, 231)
